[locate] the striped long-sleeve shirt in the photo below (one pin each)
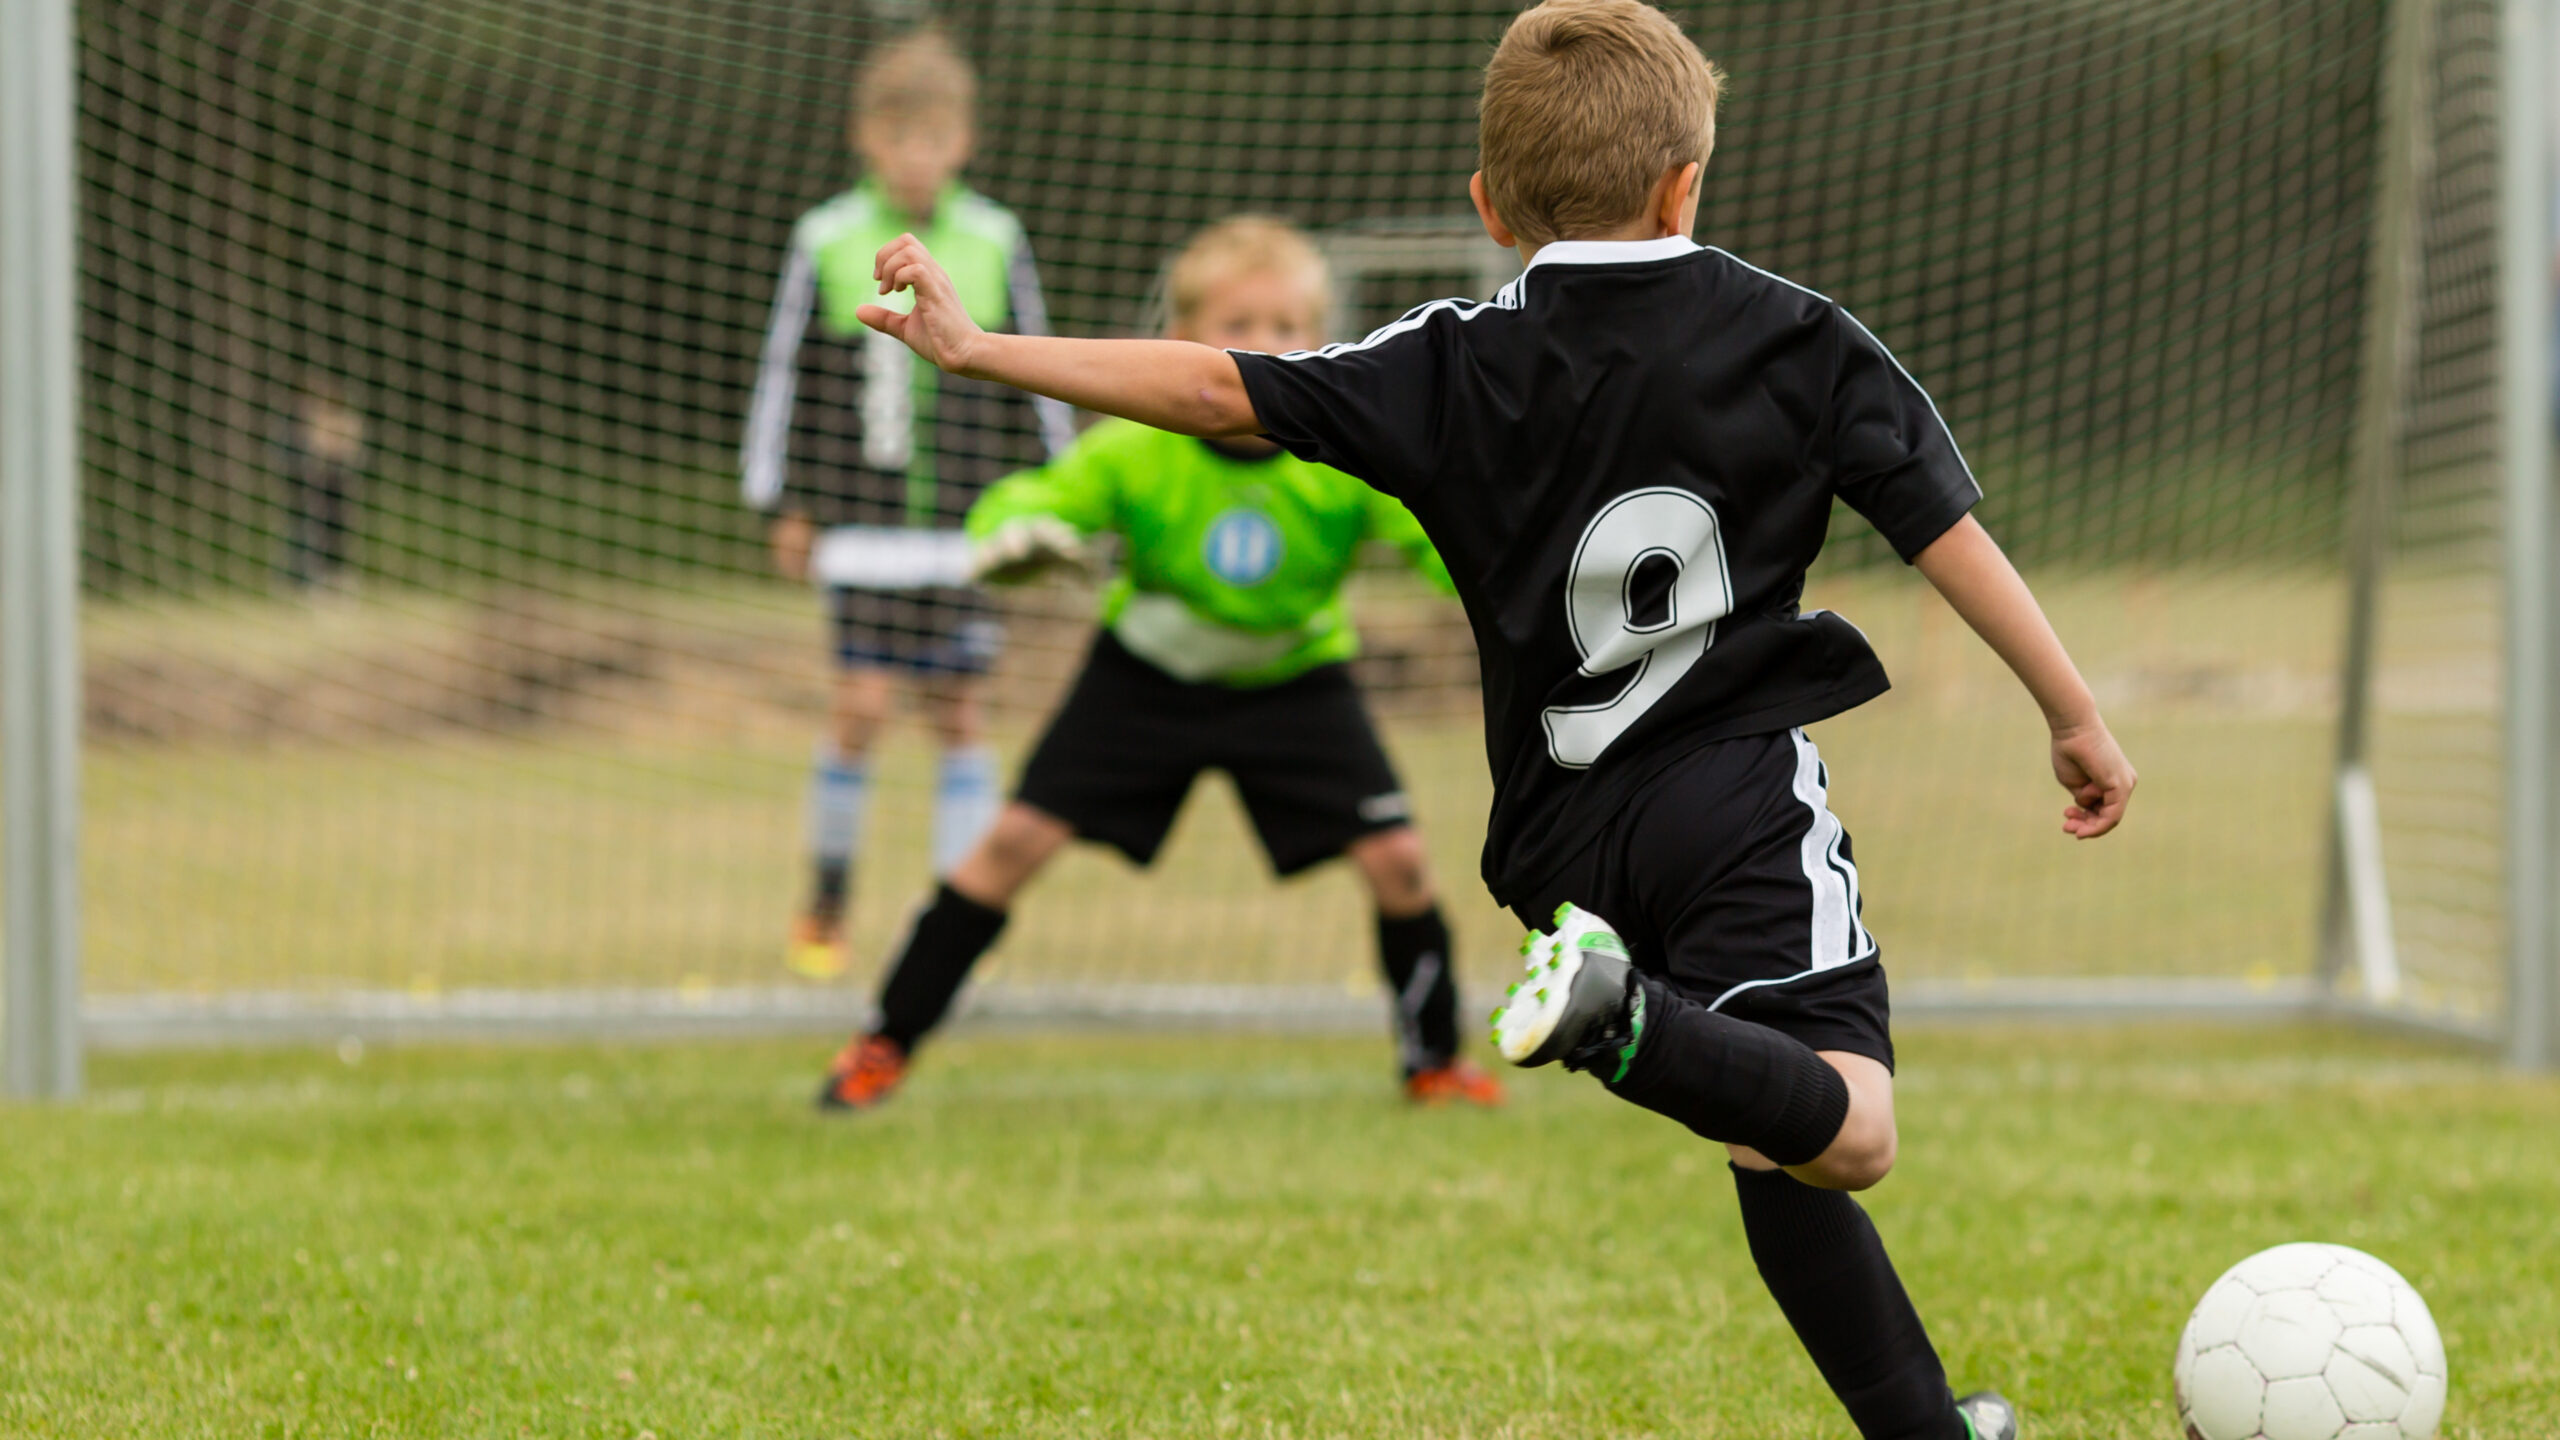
(846, 428)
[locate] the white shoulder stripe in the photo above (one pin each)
(765, 448)
(1508, 298)
(1925, 397)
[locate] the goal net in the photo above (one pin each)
(514, 726)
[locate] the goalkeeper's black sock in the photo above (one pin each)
(1730, 1080)
(1825, 1265)
(1414, 952)
(941, 947)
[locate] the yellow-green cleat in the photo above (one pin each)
(1578, 1001)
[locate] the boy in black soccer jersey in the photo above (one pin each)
(1628, 460)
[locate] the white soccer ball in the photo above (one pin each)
(2310, 1342)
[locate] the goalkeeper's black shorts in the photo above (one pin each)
(1122, 752)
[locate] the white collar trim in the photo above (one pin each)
(1613, 252)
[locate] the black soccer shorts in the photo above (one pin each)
(1122, 752)
(1731, 880)
(946, 630)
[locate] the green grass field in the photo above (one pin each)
(1192, 1237)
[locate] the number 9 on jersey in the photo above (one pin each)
(1616, 623)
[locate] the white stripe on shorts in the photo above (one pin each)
(1839, 936)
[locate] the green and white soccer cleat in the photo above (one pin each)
(1578, 1002)
(1988, 1416)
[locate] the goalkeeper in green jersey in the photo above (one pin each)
(1223, 646)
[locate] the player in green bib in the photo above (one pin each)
(867, 463)
(1224, 645)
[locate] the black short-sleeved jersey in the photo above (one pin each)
(1628, 459)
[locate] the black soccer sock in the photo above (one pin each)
(1732, 1081)
(1825, 1265)
(941, 948)
(835, 882)
(1414, 952)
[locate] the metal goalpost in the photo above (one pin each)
(2357, 936)
(2525, 259)
(39, 548)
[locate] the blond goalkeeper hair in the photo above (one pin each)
(1587, 104)
(919, 75)
(1246, 245)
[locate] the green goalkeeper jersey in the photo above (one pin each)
(1233, 568)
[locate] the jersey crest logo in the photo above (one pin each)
(1243, 547)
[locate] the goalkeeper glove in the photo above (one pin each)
(1023, 549)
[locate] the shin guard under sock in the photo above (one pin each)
(1732, 1081)
(943, 945)
(1414, 953)
(1825, 1265)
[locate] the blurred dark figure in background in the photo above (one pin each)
(320, 454)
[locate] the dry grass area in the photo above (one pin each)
(415, 800)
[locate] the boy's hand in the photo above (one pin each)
(938, 328)
(1170, 384)
(2089, 763)
(1968, 568)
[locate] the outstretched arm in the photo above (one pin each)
(1169, 384)
(1967, 567)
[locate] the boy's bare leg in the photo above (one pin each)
(1397, 870)
(839, 800)
(1827, 1268)
(1803, 1128)
(959, 925)
(962, 921)
(1862, 1154)
(1814, 1246)
(1018, 846)
(1414, 953)
(858, 708)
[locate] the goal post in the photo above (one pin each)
(2532, 544)
(39, 552)
(2448, 554)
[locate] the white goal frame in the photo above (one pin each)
(2356, 930)
(39, 548)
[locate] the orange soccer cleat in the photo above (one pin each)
(865, 1074)
(1462, 1080)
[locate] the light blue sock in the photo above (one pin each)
(964, 803)
(839, 793)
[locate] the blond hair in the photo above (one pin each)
(1587, 103)
(919, 73)
(1245, 245)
